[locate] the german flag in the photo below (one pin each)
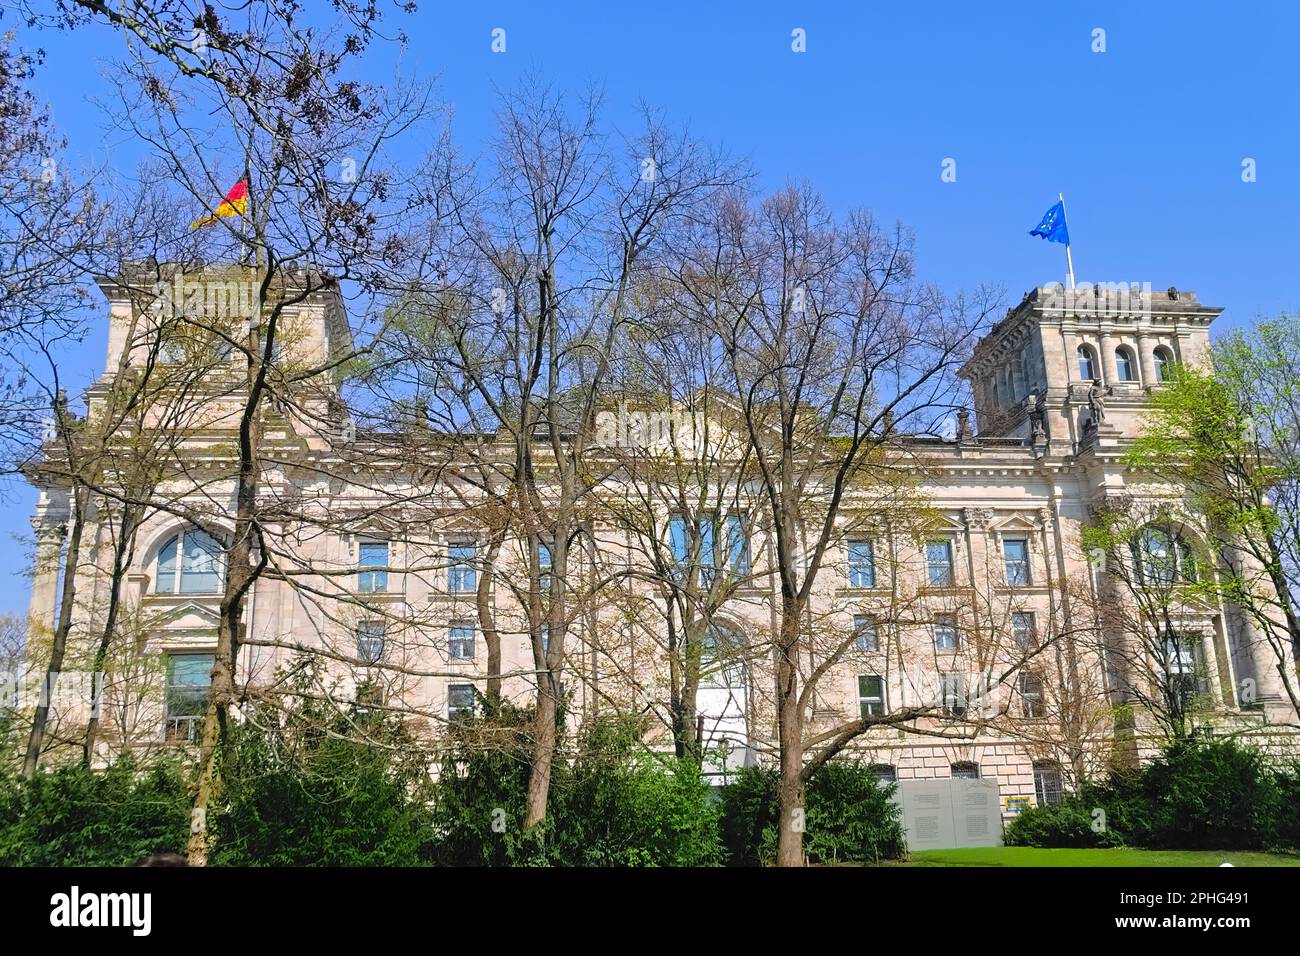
(235, 204)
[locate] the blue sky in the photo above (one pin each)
(1146, 140)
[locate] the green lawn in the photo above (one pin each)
(1030, 856)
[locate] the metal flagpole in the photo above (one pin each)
(1069, 259)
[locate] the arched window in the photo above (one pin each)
(190, 563)
(1124, 365)
(1048, 787)
(1087, 365)
(1164, 361)
(965, 770)
(1162, 557)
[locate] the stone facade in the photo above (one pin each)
(1059, 387)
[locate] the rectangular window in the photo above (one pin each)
(885, 773)
(1048, 786)
(866, 633)
(677, 542)
(946, 635)
(871, 695)
(938, 560)
(952, 689)
(372, 576)
(1023, 630)
(708, 566)
(1015, 552)
(738, 546)
(965, 770)
(680, 543)
(189, 677)
(460, 640)
(862, 564)
(462, 577)
(1031, 695)
(370, 641)
(460, 701)
(1182, 663)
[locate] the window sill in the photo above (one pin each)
(380, 597)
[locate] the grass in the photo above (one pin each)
(1032, 856)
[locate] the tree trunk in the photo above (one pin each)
(240, 577)
(216, 718)
(487, 624)
(789, 850)
(544, 741)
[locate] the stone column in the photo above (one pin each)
(1146, 359)
(49, 526)
(1108, 358)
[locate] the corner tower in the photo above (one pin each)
(1065, 363)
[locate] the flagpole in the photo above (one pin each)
(1069, 259)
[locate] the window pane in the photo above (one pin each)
(677, 539)
(200, 563)
(1023, 629)
(938, 556)
(461, 640)
(544, 559)
(1048, 787)
(871, 694)
(862, 564)
(965, 771)
(166, 577)
(1186, 560)
(1086, 370)
(1031, 694)
(954, 695)
(188, 678)
(374, 554)
(867, 635)
(1124, 365)
(738, 546)
(1162, 365)
(946, 636)
(462, 576)
(885, 773)
(1016, 554)
(460, 701)
(370, 641)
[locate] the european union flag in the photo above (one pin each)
(1052, 228)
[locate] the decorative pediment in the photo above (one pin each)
(189, 616)
(1014, 522)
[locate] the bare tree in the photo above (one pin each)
(833, 350)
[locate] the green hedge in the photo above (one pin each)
(612, 805)
(1199, 794)
(849, 816)
(296, 796)
(75, 817)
